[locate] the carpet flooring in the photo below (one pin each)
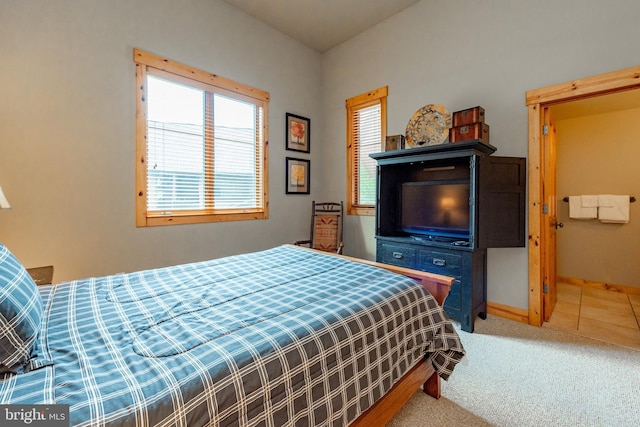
(519, 375)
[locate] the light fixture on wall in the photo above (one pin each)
(4, 204)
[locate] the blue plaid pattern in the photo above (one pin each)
(280, 337)
(20, 313)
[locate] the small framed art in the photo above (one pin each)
(298, 133)
(298, 175)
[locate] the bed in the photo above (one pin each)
(284, 336)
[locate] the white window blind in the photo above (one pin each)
(201, 154)
(176, 149)
(368, 134)
(237, 157)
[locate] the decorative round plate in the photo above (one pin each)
(428, 126)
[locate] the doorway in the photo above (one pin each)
(541, 182)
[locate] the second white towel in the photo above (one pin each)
(613, 208)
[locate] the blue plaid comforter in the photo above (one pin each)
(284, 336)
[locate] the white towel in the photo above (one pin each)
(605, 200)
(613, 208)
(589, 201)
(577, 211)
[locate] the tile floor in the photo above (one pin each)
(604, 315)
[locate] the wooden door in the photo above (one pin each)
(550, 222)
(537, 101)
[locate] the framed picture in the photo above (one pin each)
(298, 129)
(297, 176)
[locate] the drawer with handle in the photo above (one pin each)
(402, 256)
(441, 263)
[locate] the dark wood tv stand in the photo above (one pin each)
(496, 218)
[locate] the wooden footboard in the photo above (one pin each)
(423, 374)
(385, 408)
(438, 285)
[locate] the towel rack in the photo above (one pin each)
(631, 199)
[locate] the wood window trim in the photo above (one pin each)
(197, 78)
(373, 97)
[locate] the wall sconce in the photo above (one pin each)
(4, 204)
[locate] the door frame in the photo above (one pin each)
(549, 222)
(537, 101)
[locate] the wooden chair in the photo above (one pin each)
(326, 227)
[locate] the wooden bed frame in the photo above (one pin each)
(421, 374)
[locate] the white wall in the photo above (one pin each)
(465, 53)
(67, 128)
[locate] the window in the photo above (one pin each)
(201, 150)
(366, 130)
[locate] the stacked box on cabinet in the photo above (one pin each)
(468, 125)
(394, 142)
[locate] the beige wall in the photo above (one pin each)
(599, 154)
(67, 128)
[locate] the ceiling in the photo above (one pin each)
(617, 101)
(321, 24)
(324, 24)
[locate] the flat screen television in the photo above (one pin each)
(435, 209)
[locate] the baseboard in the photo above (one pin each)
(512, 313)
(522, 315)
(629, 290)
